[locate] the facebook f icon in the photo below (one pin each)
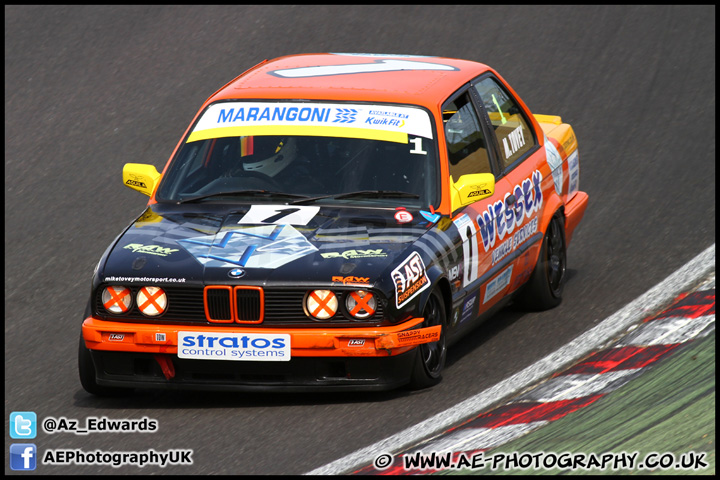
(23, 425)
(23, 456)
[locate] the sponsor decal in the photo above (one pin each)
(478, 193)
(112, 278)
(410, 279)
(418, 336)
(403, 216)
(356, 342)
(513, 242)
(454, 272)
(150, 249)
(350, 254)
(514, 141)
(468, 308)
(160, 337)
(116, 337)
(500, 220)
(234, 346)
(135, 183)
(573, 173)
(332, 119)
(555, 161)
(352, 280)
(496, 285)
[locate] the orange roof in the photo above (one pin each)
(379, 78)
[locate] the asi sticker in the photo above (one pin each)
(410, 279)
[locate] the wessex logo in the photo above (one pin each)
(500, 220)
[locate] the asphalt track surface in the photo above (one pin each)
(88, 89)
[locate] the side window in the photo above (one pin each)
(514, 137)
(467, 149)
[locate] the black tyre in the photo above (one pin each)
(544, 289)
(430, 359)
(86, 367)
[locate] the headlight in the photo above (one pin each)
(321, 304)
(151, 301)
(361, 304)
(116, 299)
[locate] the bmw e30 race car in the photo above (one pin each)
(334, 221)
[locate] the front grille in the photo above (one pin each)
(213, 305)
(248, 303)
(218, 306)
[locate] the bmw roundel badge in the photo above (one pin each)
(236, 273)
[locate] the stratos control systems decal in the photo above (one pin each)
(410, 279)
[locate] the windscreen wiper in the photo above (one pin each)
(360, 194)
(240, 193)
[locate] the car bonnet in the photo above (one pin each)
(265, 244)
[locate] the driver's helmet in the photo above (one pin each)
(268, 154)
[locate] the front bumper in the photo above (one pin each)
(365, 358)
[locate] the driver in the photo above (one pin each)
(280, 158)
(268, 155)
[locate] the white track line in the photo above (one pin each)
(652, 300)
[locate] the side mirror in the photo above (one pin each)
(471, 188)
(141, 177)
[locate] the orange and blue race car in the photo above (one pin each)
(334, 221)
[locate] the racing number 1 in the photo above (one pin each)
(468, 233)
(280, 214)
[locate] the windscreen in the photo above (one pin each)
(307, 150)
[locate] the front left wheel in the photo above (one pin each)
(430, 359)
